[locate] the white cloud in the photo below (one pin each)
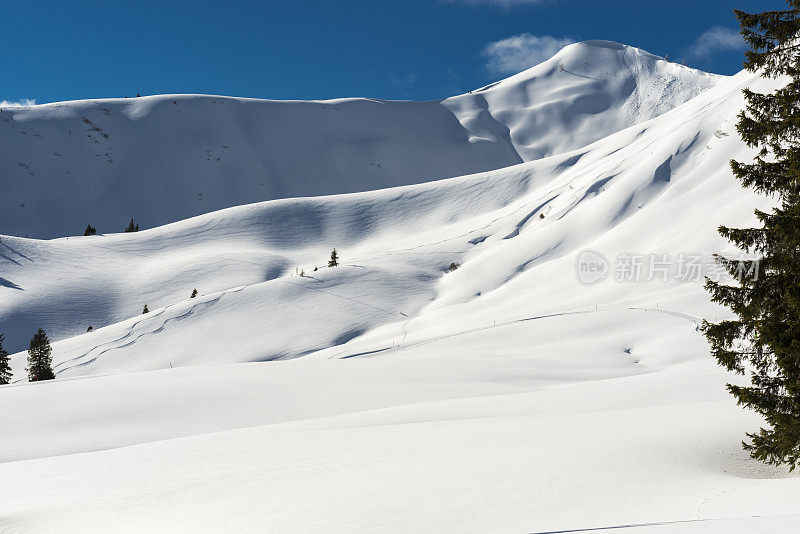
(18, 104)
(505, 4)
(404, 81)
(715, 39)
(519, 52)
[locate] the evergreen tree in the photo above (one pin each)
(334, 261)
(39, 359)
(132, 226)
(5, 368)
(764, 339)
(145, 310)
(194, 294)
(90, 230)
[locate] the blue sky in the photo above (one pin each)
(420, 49)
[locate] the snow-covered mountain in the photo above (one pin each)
(165, 158)
(390, 393)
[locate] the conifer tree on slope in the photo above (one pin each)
(334, 261)
(5, 368)
(764, 339)
(39, 359)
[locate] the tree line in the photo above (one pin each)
(133, 226)
(40, 361)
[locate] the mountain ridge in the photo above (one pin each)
(169, 157)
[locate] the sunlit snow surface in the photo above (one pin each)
(387, 394)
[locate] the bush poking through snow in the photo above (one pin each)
(334, 261)
(194, 294)
(453, 267)
(39, 358)
(90, 230)
(145, 310)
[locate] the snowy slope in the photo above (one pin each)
(165, 158)
(396, 245)
(389, 394)
(658, 448)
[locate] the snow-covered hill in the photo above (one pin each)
(165, 158)
(392, 393)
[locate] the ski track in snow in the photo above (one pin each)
(697, 321)
(64, 365)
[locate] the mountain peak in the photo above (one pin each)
(588, 89)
